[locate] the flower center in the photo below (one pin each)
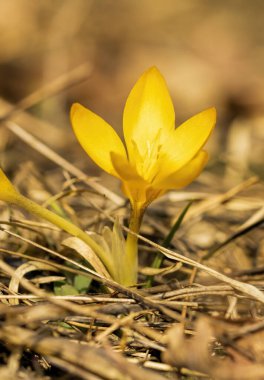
(147, 161)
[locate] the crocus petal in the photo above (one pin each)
(186, 141)
(125, 170)
(96, 137)
(133, 185)
(7, 191)
(148, 113)
(185, 175)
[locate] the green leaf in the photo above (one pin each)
(65, 290)
(82, 283)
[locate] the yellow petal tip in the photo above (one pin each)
(74, 108)
(7, 191)
(153, 69)
(211, 113)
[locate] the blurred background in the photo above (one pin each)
(210, 52)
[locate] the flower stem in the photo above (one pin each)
(131, 254)
(65, 225)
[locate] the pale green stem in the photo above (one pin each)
(65, 225)
(131, 254)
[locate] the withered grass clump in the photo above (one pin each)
(59, 319)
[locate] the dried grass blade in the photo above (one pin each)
(58, 160)
(21, 271)
(87, 253)
(254, 221)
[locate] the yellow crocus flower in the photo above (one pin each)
(156, 157)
